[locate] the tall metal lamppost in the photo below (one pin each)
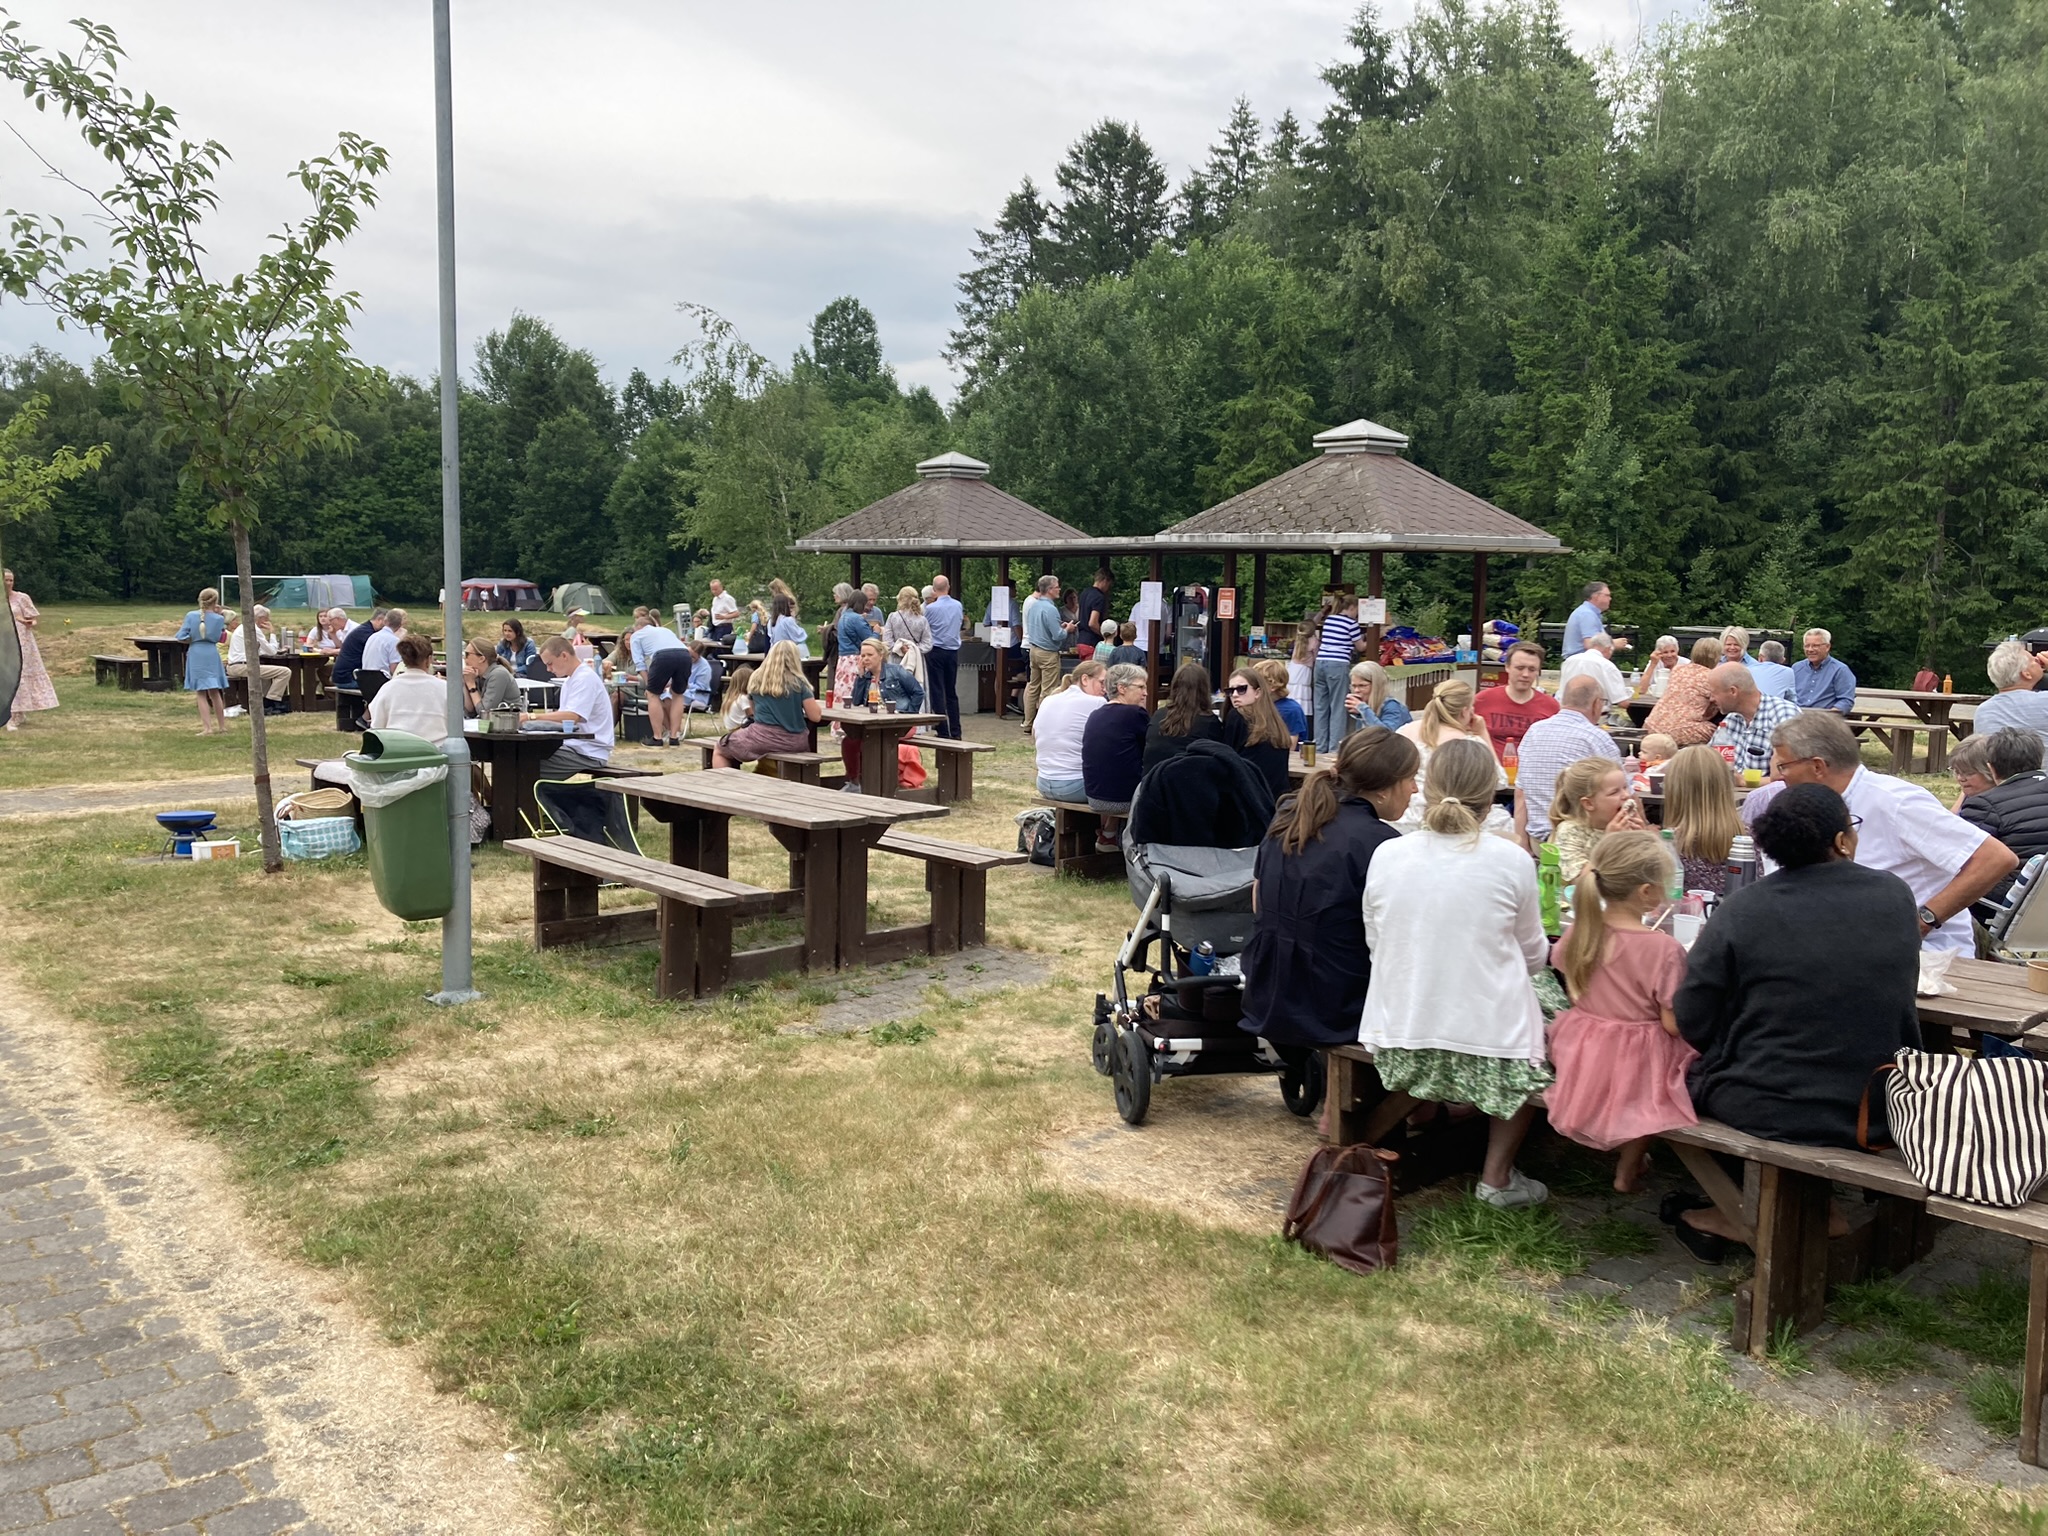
(457, 980)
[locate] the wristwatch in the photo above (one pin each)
(1927, 916)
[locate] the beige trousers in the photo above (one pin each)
(1045, 680)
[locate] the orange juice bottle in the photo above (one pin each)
(1510, 762)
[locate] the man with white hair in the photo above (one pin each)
(1550, 746)
(1946, 862)
(1773, 677)
(1824, 682)
(380, 656)
(1597, 662)
(2014, 670)
(271, 680)
(1747, 716)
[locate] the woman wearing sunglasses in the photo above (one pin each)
(1255, 730)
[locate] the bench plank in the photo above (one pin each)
(967, 855)
(1074, 852)
(686, 885)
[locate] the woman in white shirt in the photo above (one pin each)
(1452, 921)
(1449, 716)
(1657, 672)
(415, 700)
(1058, 730)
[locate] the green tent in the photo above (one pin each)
(581, 594)
(320, 592)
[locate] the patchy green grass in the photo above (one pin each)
(738, 1280)
(1986, 1320)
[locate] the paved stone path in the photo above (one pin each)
(167, 795)
(161, 1371)
(114, 1418)
(897, 991)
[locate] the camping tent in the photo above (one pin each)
(581, 594)
(319, 592)
(500, 592)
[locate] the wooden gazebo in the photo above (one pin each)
(1359, 496)
(951, 513)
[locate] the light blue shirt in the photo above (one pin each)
(650, 642)
(381, 654)
(787, 628)
(2016, 707)
(698, 689)
(1773, 679)
(1586, 621)
(945, 616)
(1042, 628)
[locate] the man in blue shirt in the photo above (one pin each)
(942, 661)
(1823, 682)
(1045, 634)
(1773, 677)
(1589, 618)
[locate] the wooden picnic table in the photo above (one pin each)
(310, 671)
(1990, 996)
(1932, 709)
(514, 759)
(163, 660)
(878, 733)
(826, 833)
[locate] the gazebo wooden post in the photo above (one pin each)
(1336, 567)
(1478, 619)
(1226, 629)
(1003, 651)
(854, 578)
(1259, 588)
(1153, 632)
(1373, 573)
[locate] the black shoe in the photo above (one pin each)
(1707, 1247)
(1679, 1201)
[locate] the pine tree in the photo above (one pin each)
(1008, 260)
(1114, 206)
(1212, 198)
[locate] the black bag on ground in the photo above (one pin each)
(1035, 836)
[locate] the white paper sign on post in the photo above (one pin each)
(999, 606)
(1151, 600)
(1372, 610)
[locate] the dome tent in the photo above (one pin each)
(586, 595)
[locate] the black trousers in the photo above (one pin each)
(942, 671)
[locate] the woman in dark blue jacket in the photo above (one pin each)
(1307, 966)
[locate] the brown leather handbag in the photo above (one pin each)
(1343, 1208)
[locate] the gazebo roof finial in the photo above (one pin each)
(1361, 436)
(953, 466)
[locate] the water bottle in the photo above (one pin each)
(1742, 869)
(1203, 959)
(1674, 877)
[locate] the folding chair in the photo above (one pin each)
(577, 808)
(2018, 926)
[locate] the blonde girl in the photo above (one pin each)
(1619, 1061)
(205, 674)
(784, 708)
(1592, 800)
(1699, 813)
(1277, 685)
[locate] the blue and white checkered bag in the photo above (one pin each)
(319, 837)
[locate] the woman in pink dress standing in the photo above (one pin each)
(36, 690)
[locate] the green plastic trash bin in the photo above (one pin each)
(410, 860)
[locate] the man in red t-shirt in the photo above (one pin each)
(1509, 710)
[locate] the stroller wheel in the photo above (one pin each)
(1102, 1049)
(1301, 1083)
(1133, 1076)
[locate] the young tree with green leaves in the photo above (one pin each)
(246, 370)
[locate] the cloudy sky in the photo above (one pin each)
(615, 157)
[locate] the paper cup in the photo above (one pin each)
(2037, 975)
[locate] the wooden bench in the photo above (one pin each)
(350, 713)
(797, 767)
(955, 763)
(125, 672)
(1898, 732)
(1074, 829)
(690, 921)
(956, 875)
(1782, 1208)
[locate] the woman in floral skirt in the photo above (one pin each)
(36, 690)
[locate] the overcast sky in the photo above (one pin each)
(615, 157)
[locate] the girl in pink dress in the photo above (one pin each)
(36, 690)
(1619, 1060)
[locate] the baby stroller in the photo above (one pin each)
(1189, 848)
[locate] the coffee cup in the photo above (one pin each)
(2037, 975)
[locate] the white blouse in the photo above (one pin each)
(1456, 933)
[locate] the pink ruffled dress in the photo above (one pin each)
(1619, 1075)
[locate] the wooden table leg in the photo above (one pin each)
(2034, 1384)
(821, 900)
(853, 896)
(1789, 1288)
(943, 882)
(514, 772)
(676, 946)
(878, 757)
(973, 908)
(699, 839)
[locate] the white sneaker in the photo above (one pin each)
(1521, 1190)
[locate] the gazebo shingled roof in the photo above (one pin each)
(1359, 495)
(950, 509)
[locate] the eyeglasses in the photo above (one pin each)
(1855, 822)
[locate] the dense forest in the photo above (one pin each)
(1753, 320)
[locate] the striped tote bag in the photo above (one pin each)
(1972, 1128)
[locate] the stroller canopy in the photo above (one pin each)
(1205, 797)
